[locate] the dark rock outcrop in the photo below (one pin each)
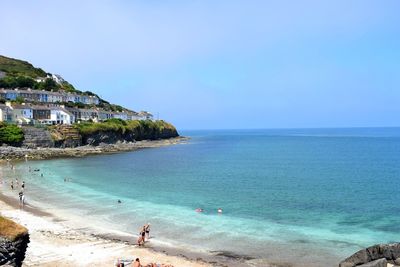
(376, 263)
(382, 252)
(13, 252)
(112, 137)
(14, 240)
(107, 137)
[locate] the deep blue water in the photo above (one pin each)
(332, 190)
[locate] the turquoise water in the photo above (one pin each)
(318, 194)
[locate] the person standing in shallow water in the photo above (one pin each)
(21, 198)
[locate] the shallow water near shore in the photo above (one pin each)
(304, 197)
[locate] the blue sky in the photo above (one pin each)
(221, 64)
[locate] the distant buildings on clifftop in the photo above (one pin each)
(45, 107)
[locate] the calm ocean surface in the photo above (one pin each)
(315, 194)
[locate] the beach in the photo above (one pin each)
(54, 243)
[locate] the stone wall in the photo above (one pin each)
(36, 137)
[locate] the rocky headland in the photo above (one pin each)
(21, 153)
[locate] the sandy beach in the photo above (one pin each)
(53, 243)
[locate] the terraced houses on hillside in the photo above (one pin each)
(44, 107)
(42, 96)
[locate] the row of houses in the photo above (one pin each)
(59, 114)
(42, 96)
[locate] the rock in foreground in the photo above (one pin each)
(375, 256)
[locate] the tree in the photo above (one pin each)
(19, 100)
(50, 84)
(22, 81)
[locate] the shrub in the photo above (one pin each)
(11, 134)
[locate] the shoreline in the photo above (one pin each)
(19, 153)
(31, 216)
(49, 231)
(118, 243)
(55, 243)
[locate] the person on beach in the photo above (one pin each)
(142, 235)
(23, 185)
(137, 263)
(12, 185)
(147, 229)
(21, 198)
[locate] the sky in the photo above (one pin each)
(221, 64)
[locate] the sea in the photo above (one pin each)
(294, 197)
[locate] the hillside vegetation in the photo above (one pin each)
(16, 67)
(11, 134)
(21, 74)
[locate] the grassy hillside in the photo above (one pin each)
(22, 74)
(16, 67)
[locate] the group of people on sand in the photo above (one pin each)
(143, 234)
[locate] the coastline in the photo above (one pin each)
(19, 153)
(113, 243)
(54, 243)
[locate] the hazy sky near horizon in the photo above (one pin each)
(221, 64)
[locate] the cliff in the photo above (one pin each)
(14, 240)
(115, 130)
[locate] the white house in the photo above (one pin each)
(145, 115)
(5, 113)
(21, 114)
(54, 97)
(120, 115)
(105, 115)
(59, 115)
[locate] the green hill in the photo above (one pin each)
(15, 73)
(16, 67)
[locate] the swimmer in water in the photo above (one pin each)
(219, 210)
(199, 210)
(119, 201)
